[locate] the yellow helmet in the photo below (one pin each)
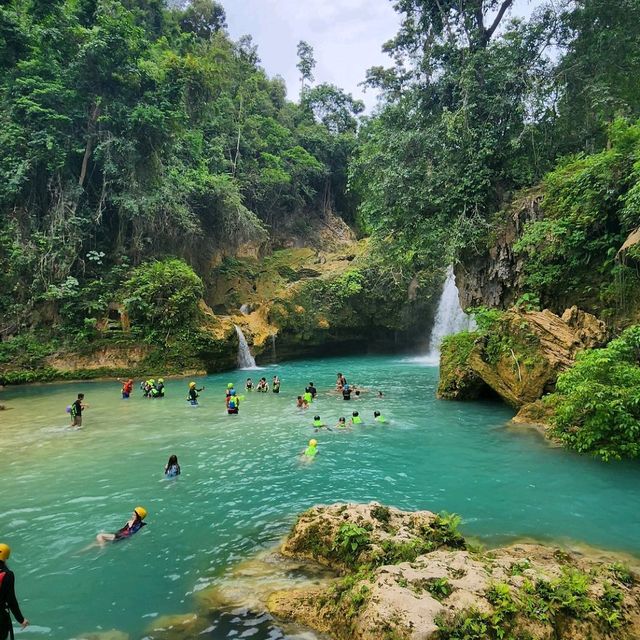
(313, 442)
(192, 384)
(141, 511)
(5, 551)
(230, 385)
(161, 380)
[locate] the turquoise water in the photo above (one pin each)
(243, 482)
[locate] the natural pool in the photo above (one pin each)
(242, 483)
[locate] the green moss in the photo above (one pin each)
(457, 380)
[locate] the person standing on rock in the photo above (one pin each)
(8, 600)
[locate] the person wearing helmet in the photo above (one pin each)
(160, 388)
(233, 404)
(8, 600)
(134, 524)
(229, 393)
(193, 393)
(312, 450)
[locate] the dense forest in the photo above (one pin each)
(141, 144)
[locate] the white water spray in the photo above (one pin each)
(245, 359)
(450, 318)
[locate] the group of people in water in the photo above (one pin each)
(156, 389)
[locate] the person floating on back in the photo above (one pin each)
(194, 393)
(312, 450)
(301, 403)
(127, 388)
(172, 468)
(8, 600)
(133, 525)
(355, 418)
(378, 417)
(275, 385)
(76, 411)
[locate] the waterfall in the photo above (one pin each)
(245, 359)
(450, 318)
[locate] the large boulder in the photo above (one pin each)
(521, 355)
(522, 591)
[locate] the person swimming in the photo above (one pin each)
(378, 417)
(312, 450)
(308, 397)
(263, 385)
(317, 423)
(133, 525)
(275, 385)
(248, 386)
(355, 418)
(172, 468)
(380, 394)
(301, 403)
(346, 392)
(312, 390)
(342, 423)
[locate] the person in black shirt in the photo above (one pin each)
(8, 600)
(76, 411)
(346, 392)
(312, 390)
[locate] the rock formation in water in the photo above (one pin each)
(519, 357)
(412, 576)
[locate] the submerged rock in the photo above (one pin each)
(447, 591)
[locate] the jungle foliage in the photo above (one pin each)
(132, 130)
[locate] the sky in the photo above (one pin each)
(347, 37)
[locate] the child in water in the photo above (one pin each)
(378, 418)
(311, 451)
(301, 403)
(342, 423)
(355, 418)
(172, 468)
(133, 525)
(317, 423)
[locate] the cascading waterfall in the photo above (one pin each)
(245, 359)
(450, 318)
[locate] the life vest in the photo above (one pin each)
(311, 451)
(233, 403)
(318, 423)
(2, 575)
(307, 397)
(128, 387)
(356, 420)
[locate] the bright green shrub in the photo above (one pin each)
(598, 400)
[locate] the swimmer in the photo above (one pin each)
(248, 385)
(312, 450)
(76, 411)
(275, 385)
(355, 418)
(357, 393)
(317, 423)
(194, 393)
(346, 392)
(380, 394)
(342, 423)
(233, 405)
(301, 403)
(127, 387)
(263, 385)
(307, 397)
(134, 524)
(378, 417)
(172, 468)
(312, 390)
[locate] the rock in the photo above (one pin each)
(522, 354)
(633, 240)
(524, 590)
(177, 627)
(113, 634)
(493, 278)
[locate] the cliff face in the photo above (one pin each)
(520, 356)
(493, 277)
